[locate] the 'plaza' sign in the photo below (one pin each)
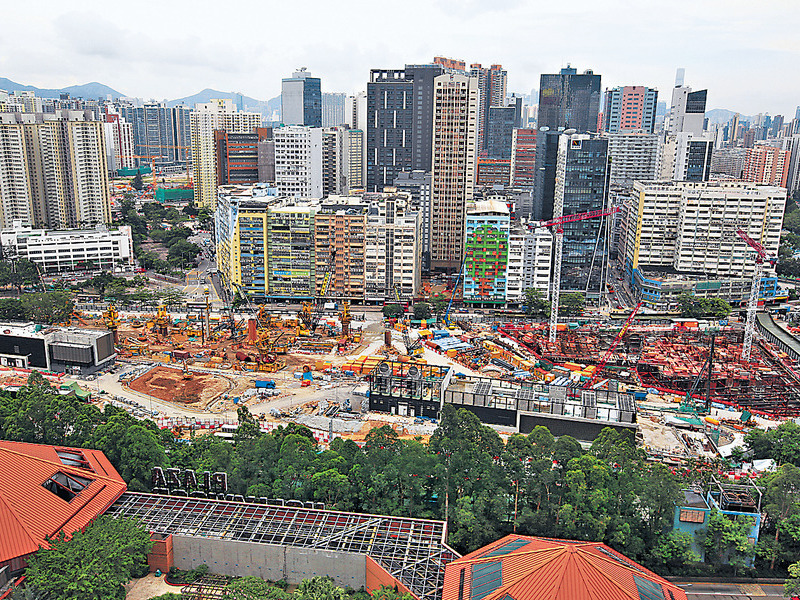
(185, 483)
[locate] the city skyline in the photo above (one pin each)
(721, 45)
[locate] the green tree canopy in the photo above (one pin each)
(536, 303)
(48, 307)
(94, 563)
(571, 304)
(422, 310)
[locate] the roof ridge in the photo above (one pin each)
(585, 563)
(59, 465)
(623, 563)
(514, 553)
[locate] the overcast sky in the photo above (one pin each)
(746, 53)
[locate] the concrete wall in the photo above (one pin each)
(228, 557)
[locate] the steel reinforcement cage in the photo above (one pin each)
(410, 550)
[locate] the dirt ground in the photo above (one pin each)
(168, 384)
(148, 587)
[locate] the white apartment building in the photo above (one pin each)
(53, 170)
(70, 250)
(529, 262)
(298, 161)
(685, 157)
(634, 156)
(119, 144)
(691, 227)
(204, 120)
(392, 253)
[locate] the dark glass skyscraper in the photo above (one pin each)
(569, 100)
(399, 122)
(500, 131)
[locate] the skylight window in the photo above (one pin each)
(73, 458)
(66, 486)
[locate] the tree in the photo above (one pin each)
(571, 304)
(782, 498)
(11, 309)
(173, 297)
(536, 303)
(319, 588)
(19, 273)
(254, 588)
(137, 182)
(422, 310)
(791, 586)
(392, 310)
(726, 540)
(94, 563)
(48, 307)
(390, 593)
(674, 550)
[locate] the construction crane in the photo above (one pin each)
(555, 278)
(752, 303)
(688, 404)
(187, 148)
(615, 342)
(446, 318)
(311, 313)
(413, 347)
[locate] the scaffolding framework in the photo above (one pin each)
(411, 550)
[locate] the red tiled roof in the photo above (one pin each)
(29, 512)
(528, 568)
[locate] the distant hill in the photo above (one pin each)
(723, 115)
(89, 91)
(265, 107)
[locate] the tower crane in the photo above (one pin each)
(752, 303)
(617, 339)
(413, 347)
(312, 311)
(555, 278)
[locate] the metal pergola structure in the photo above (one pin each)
(210, 587)
(411, 550)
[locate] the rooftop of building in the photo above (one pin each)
(667, 274)
(519, 567)
(487, 207)
(63, 335)
(25, 230)
(721, 186)
(411, 550)
(48, 489)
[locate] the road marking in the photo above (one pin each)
(752, 589)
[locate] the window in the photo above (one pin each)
(73, 458)
(692, 516)
(66, 486)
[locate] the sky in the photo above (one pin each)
(745, 53)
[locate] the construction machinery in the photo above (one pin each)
(688, 404)
(446, 319)
(614, 343)
(555, 280)
(111, 320)
(413, 347)
(755, 287)
(311, 312)
(162, 320)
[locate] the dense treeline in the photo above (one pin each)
(483, 487)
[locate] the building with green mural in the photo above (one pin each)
(486, 232)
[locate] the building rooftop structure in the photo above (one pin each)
(412, 551)
(518, 567)
(48, 489)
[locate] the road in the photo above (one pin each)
(731, 591)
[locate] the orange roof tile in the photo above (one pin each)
(527, 568)
(29, 512)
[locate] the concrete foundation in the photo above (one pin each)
(228, 557)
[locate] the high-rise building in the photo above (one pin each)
(688, 111)
(581, 185)
(53, 170)
(767, 165)
(492, 85)
(685, 157)
(568, 100)
(238, 156)
(454, 152)
(690, 229)
(486, 252)
(399, 122)
(634, 156)
(119, 141)
(334, 109)
(728, 162)
(493, 172)
(630, 108)
(301, 99)
(417, 184)
(161, 134)
(205, 120)
(298, 161)
(523, 157)
(451, 64)
(335, 169)
(499, 134)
